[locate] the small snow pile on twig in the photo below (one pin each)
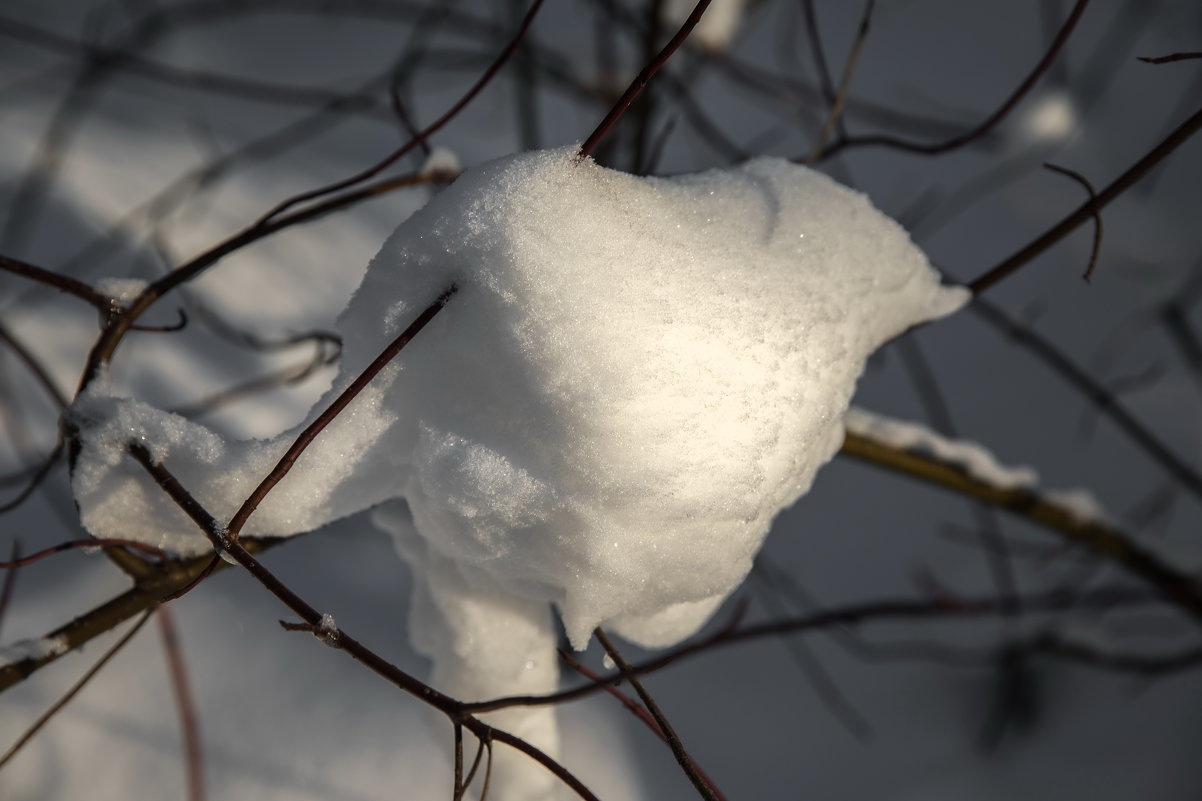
(634, 377)
(973, 459)
(122, 290)
(442, 160)
(22, 650)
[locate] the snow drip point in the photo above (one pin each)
(327, 631)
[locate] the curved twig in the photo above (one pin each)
(1087, 210)
(1097, 216)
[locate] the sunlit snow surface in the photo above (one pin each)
(634, 377)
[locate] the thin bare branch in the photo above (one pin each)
(306, 437)
(62, 283)
(85, 543)
(836, 113)
(641, 80)
(38, 724)
(1097, 217)
(1169, 58)
(189, 721)
(10, 582)
(704, 789)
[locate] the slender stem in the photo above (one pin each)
(641, 80)
(181, 687)
(310, 433)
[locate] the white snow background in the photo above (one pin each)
(285, 719)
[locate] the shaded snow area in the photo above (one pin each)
(634, 376)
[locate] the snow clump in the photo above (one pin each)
(634, 377)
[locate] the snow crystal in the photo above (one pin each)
(970, 457)
(634, 376)
(1081, 504)
(442, 160)
(42, 648)
(122, 290)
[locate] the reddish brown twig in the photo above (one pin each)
(10, 582)
(1169, 58)
(84, 543)
(641, 81)
(1097, 217)
(637, 710)
(704, 787)
(310, 433)
(189, 721)
(1101, 397)
(62, 283)
(850, 615)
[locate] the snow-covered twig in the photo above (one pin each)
(972, 471)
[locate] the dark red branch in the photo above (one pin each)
(84, 543)
(1169, 58)
(451, 707)
(307, 436)
(641, 81)
(189, 721)
(60, 282)
(1097, 217)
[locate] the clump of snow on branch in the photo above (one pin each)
(634, 377)
(122, 290)
(442, 160)
(41, 648)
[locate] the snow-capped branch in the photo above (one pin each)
(970, 470)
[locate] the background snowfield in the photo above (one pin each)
(924, 711)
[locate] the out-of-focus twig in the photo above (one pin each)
(71, 693)
(189, 721)
(704, 788)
